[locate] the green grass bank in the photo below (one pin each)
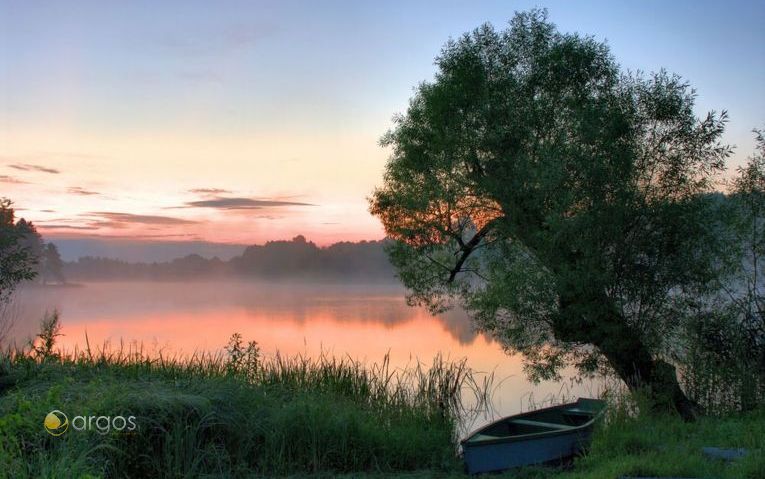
(225, 416)
(238, 415)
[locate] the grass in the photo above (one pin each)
(240, 415)
(230, 415)
(650, 446)
(661, 446)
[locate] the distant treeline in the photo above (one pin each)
(293, 259)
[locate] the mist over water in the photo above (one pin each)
(363, 322)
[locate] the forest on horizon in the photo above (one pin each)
(296, 259)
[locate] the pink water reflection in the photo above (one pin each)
(362, 322)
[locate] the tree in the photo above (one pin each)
(556, 198)
(749, 191)
(722, 349)
(52, 266)
(749, 188)
(16, 261)
(31, 242)
(744, 288)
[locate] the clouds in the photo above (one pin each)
(11, 179)
(117, 220)
(213, 198)
(202, 204)
(191, 223)
(56, 226)
(31, 167)
(242, 203)
(98, 220)
(210, 191)
(215, 41)
(78, 190)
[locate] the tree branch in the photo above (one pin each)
(467, 249)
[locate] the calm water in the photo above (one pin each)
(363, 322)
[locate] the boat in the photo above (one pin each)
(537, 437)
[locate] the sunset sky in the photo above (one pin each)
(249, 121)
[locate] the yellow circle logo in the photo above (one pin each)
(56, 423)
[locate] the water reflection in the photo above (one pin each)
(286, 302)
(363, 322)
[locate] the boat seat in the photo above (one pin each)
(578, 412)
(548, 425)
(483, 437)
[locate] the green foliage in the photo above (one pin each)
(50, 329)
(749, 235)
(242, 359)
(307, 418)
(722, 363)
(554, 196)
(628, 444)
(52, 266)
(723, 347)
(16, 260)
(233, 415)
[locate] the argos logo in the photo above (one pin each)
(57, 423)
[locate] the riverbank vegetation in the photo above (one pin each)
(231, 414)
(238, 414)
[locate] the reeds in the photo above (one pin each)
(236, 414)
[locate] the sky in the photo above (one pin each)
(242, 122)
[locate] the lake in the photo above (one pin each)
(364, 322)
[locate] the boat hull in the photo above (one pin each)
(537, 437)
(505, 455)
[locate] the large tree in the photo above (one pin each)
(556, 197)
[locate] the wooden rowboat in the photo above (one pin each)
(536, 437)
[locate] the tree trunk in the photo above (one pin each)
(597, 322)
(640, 371)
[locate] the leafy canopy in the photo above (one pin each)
(549, 192)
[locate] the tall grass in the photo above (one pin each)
(232, 413)
(722, 365)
